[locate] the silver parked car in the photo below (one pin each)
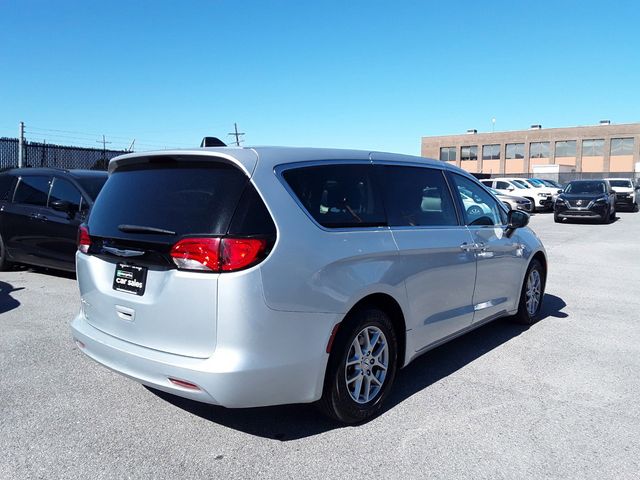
(247, 277)
(513, 202)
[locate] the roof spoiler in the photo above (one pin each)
(212, 142)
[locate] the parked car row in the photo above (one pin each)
(540, 193)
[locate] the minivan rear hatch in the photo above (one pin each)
(130, 287)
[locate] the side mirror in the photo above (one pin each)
(560, 190)
(60, 205)
(516, 219)
(612, 192)
(511, 188)
(64, 206)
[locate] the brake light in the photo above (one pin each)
(84, 240)
(217, 254)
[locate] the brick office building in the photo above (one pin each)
(590, 151)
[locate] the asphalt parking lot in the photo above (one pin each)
(560, 399)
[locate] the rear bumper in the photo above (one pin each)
(231, 377)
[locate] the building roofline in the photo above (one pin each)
(611, 126)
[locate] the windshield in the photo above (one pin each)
(520, 184)
(586, 187)
(621, 183)
(550, 183)
(92, 185)
(536, 182)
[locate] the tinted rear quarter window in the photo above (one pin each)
(92, 185)
(32, 190)
(188, 198)
(338, 196)
(65, 191)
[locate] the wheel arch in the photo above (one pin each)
(540, 256)
(391, 307)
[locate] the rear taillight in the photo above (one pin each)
(218, 254)
(84, 240)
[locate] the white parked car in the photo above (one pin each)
(626, 196)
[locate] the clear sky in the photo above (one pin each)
(353, 73)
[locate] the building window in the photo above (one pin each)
(515, 150)
(566, 148)
(621, 146)
(469, 153)
(593, 148)
(448, 154)
(539, 150)
(491, 152)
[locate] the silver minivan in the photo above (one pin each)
(248, 277)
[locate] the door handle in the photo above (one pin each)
(468, 247)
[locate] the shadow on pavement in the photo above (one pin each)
(45, 271)
(7, 302)
(292, 422)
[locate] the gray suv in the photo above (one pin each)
(247, 277)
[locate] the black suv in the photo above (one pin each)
(586, 199)
(40, 211)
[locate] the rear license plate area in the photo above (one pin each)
(130, 278)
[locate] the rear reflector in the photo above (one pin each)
(84, 240)
(217, 254)
(184, 384)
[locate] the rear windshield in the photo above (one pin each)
(585, 188)
(621, 183)
(188, 198)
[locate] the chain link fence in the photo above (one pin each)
(50, 155)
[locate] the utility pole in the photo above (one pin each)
(104, 146)
(236, 134)
(21, 146)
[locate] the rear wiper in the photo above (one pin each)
(143, 229)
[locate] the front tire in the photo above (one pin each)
(531, 294)
(362, 367)
(556, 218)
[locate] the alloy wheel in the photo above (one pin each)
(534, 284)
(367, 364)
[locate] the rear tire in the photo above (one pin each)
(362, 367)
(4, 263)
(531, 294)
